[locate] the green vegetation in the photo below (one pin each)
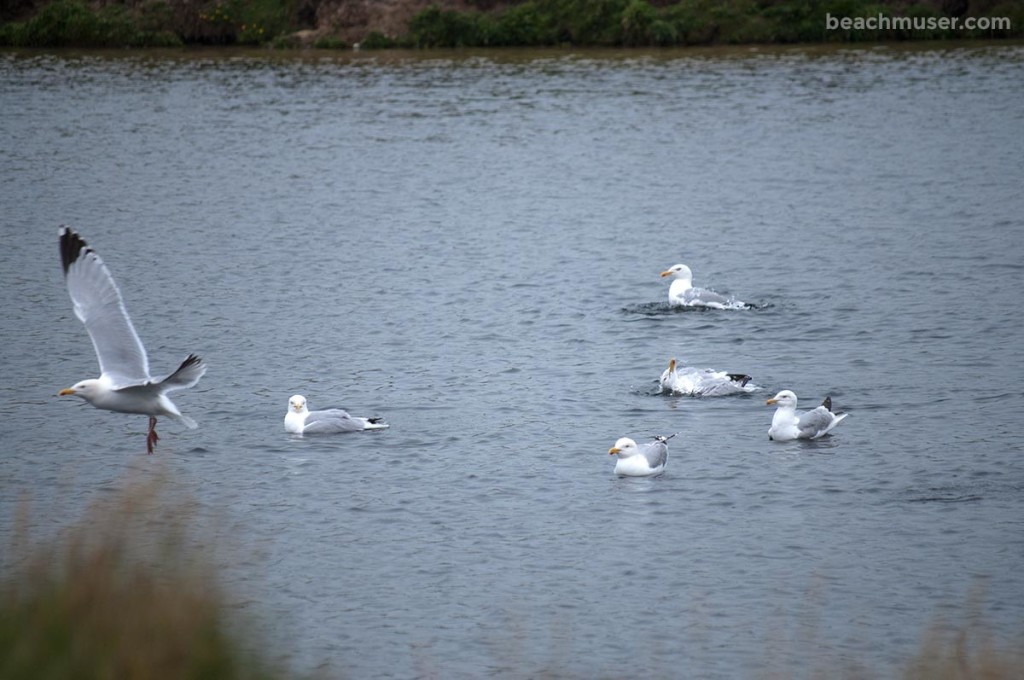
(157, 23)
(73, 23)
(618, 23)
(117, 596)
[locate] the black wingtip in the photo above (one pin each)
(741, 378)
(71, 247)
(827, 403)
(190, 360)
(376, 419)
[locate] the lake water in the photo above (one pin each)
(469, 245)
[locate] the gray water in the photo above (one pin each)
(469, 245)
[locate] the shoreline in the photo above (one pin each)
(512, 54)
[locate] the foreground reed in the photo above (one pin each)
(118, 595)
(966, 652)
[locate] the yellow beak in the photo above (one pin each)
(612, 451)
(666, 273)
(770, 402)
(672, 365)
(66, 392)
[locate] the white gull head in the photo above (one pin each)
(682, 279)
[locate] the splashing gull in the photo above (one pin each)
(300, 420)
(640, 460)
(789, 424)
(125, 384)
(703, 382)
(682, 293)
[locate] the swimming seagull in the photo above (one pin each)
(789, 424)
(682, 293)
(642, 460)
(124, 384)
(300, 420)
(703, 382)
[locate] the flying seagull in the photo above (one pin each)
(125, 384)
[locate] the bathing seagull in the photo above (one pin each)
(789, 424)
(640, 460)
(703, 382)
(300, 420)
(125, 384)
(683, 294)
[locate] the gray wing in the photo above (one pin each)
(655, 452)
(720, 387)
(719, 383)
(99, 306)
(812, 423)
(331, 420)
(704, 296)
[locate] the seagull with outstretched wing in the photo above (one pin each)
(125, 384)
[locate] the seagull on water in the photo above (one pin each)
(300, 420)
(640, 460)
(682, 292)
(703, 382)
(789, 424)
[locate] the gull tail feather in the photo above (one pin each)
(374, 423)
(187, 422)
(169, 409)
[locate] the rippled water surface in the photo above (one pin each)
(469, 245)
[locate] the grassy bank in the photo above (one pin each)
(487, 23)
(628, 23)
(75, 23)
